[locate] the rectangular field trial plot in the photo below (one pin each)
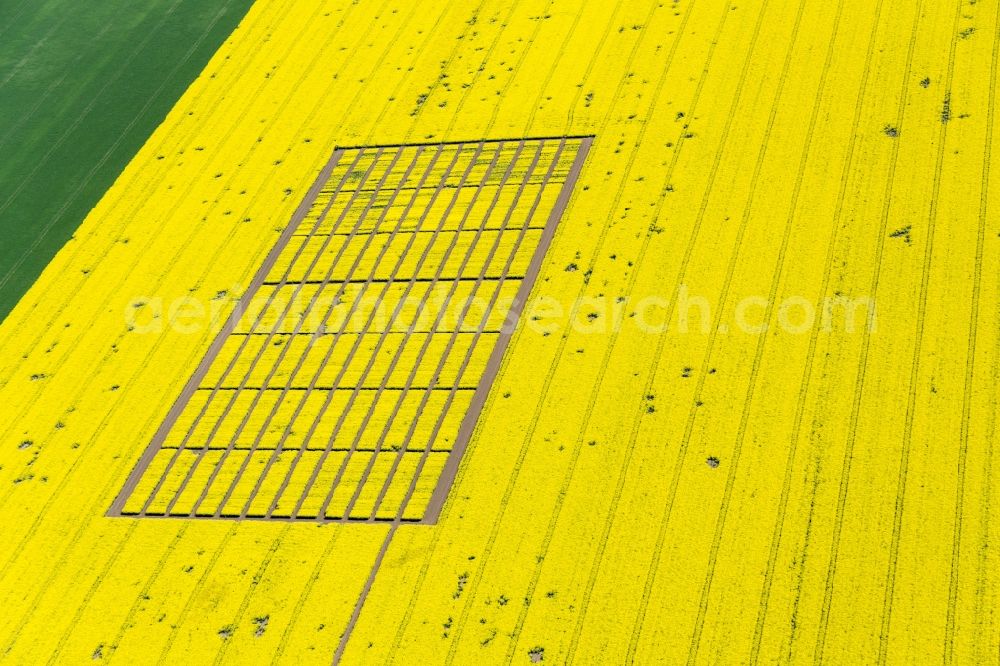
(348, 382)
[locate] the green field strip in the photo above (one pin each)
(82, 86)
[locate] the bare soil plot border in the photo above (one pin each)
(523, 149)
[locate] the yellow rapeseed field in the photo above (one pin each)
(796, 468)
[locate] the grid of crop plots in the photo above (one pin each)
(349, 380)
